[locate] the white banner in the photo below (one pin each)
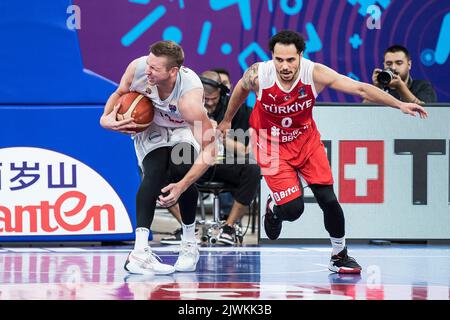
(47, 193)
(391, 174)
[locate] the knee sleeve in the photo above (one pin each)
(182, 156)
(323, 193)
(333, 214)
(154, 165)
(188, 205)
(290, 211)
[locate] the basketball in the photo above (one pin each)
(137, 106)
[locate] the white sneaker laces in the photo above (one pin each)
(152, 257)
(188, 248)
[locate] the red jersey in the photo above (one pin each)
(285, 138)
(285, 115)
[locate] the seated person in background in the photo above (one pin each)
(225, 77)
(226, 198)
(175, 236)
(244, 177)
(399, 82)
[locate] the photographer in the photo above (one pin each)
(396, 78)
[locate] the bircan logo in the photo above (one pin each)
(278, 196)
(44, 192)
(361, 171)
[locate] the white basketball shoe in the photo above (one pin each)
(146, 262)
(188, 257)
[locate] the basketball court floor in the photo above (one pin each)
(268, 272)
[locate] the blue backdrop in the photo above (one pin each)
(59, 51)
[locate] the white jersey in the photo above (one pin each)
(166, 111)
(168, 127)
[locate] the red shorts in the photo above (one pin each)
(282, 164)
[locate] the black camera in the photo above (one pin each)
(386, 76)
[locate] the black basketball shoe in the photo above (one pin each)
(272, 225)
(342, 263)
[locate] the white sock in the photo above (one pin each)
(189, 232)
(141, 238)
(338, 244)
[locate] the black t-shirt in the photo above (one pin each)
(422, 89)
(240, 120)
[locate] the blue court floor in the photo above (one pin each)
(269, 272)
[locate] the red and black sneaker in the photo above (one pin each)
(272, 225)
(342, 263)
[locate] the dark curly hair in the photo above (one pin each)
(288, 37)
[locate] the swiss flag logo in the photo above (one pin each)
(361, 171)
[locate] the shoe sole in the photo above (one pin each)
(143, 271)
(343, 270)
(187, 269)
(135, 269)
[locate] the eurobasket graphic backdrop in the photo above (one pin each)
(347, 35)
(65, 51)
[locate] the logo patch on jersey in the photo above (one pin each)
(274, 131)
(302, 93)
(148, 90)
(172, 108)
(155, 136)
(287, 97)
(273, 97)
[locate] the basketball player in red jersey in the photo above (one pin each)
(284, 133)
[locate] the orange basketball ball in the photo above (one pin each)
(137, 106)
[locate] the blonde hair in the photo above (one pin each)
(169, 49)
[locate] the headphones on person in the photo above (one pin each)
(223, 88)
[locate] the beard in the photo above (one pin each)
(287, 76)
(404, 77)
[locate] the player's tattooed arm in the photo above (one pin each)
(250, 79)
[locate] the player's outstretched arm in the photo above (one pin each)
(249, 82)
(108, 119)
(324, 76)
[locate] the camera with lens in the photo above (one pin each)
(386, 76)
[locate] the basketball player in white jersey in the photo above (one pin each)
(177, 96)
(285, 134)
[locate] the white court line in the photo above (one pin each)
(258, 273)
(157, 249)
(67, 249)
(319, 249)
(175, 248)
(79, 250)
(321, 265)
(23, 250)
